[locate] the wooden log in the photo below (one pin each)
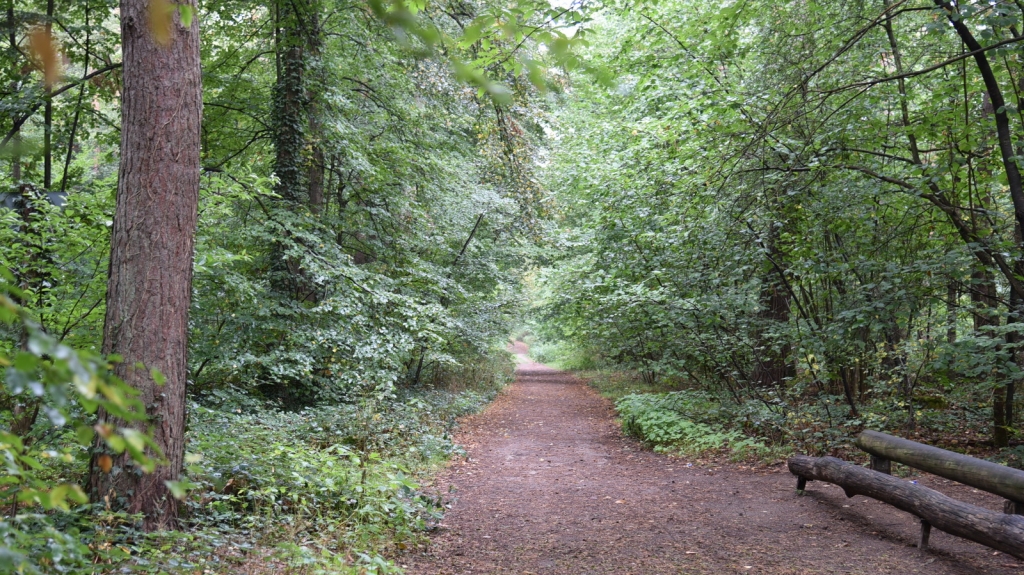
(996, 530)
(985, 475)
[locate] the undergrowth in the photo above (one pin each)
(326, 489)
(694, 423)
(771, 426)
(559, 356)
(616, 384)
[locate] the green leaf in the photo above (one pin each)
(185, 14)
(158, 377)
(179, 489)
(85, 434)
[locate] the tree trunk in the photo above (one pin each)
(952, 303)
(289, 136)
(48, 113)
(1014, 316)
(772, 367)
(985, 298)
(314, 88)
(149, 288)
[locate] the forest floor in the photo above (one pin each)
(550, 486)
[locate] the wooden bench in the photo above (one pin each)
(1002, 531)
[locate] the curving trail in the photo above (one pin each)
(551, 487)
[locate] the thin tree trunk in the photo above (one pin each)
(48, 113)
(773, 366)
(985, 298)
(78, 104)
(149, 288)
(952, 299)
(314, 88)
(289, 137)
(1006, 394)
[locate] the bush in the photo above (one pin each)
(339, 479)
(690, 423)
(564, 356)
(329, 488)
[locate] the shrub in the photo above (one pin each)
(669, 422)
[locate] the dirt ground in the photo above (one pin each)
(550, 486)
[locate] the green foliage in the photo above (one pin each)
(563, 356)
(759, 210)
(494, 40)
(363, 219)
(316, 487)
(667, 422)
(31, 544)
(1012, 457)
(407, 268)
(340, 479)
(288, 489)
(67, 387)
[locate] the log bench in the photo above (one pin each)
(1001, 531)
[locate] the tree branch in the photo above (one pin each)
(21, 121)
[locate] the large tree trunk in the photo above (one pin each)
(151, 249)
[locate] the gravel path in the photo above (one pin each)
(550, 487)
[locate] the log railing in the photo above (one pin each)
(1002, 531)
(978, 473)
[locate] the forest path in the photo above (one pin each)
(550, 487)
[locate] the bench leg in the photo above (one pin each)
(881, 465)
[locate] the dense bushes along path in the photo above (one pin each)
(550, 487)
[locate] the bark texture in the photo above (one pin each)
(996, 530)
(984, 475)
(149, 288)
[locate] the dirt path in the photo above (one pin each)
(551, 487)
